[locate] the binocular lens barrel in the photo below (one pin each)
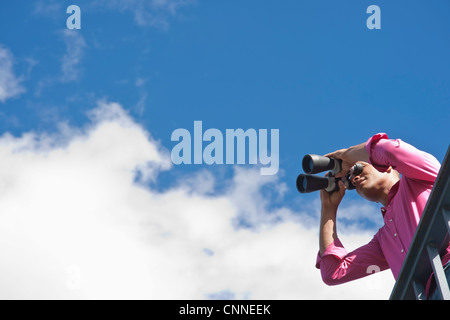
(307, 183)
(313, 163)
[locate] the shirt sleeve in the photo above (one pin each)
(338, 266)
(403, 157)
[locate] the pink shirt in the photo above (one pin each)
(406, 201)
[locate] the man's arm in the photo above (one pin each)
(335, 263)
(403, 157)
(382, 153)
(339, 266)
(330, 203)
(350, 156)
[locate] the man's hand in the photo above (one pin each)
(331, 201)
(349, 157)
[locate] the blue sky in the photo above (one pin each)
(311, 69)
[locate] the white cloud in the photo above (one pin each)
(75, 224)
(48, 8)
(141, 104)
(155, 13)
(10, 84)
(70, 62)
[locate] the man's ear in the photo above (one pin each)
(392, 170)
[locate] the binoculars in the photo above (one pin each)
(313, 163)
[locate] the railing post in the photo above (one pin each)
(419, 290)
(439, 274)
(446, 215)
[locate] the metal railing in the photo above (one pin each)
(430, 239)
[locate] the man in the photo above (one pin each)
(398, 176)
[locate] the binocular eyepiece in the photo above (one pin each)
(312, 163)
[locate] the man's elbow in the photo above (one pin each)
(333, 270)
(330, 279)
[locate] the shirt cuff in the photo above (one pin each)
(335, 249)
(370, 144)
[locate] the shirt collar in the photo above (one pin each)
(391, 195)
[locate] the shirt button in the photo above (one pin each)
(395, 236)
(390, 220)
(402, 251)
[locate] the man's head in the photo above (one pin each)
(374, 185)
